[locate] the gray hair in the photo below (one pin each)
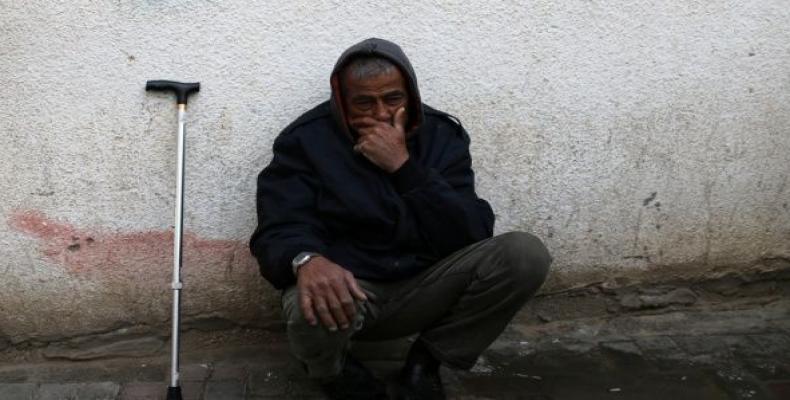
(364, 67)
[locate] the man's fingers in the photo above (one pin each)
(399, 120)
(346, 302)
(336, 309)
(324, 314)
(356, 291)
(324, 295)
(366, 143)
(306, 304)
(366, 131)
(349, 308)
(340, 312)
(360, 146)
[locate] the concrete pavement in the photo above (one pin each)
(702, 354)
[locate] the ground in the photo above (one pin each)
(724, 339)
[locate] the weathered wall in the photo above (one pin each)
(634, 137)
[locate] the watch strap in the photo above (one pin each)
(302, 259)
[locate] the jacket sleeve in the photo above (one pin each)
(448, 213)
(287, 221)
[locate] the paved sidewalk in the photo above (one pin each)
(703, 354)
(740, 350)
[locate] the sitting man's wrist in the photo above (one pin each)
(301, 260)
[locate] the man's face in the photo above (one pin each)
(377, 97)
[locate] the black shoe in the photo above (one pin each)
(355, 382)
(420, 379)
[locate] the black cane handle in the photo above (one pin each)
(182, 89)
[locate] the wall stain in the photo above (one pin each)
(142, 256)
(650, 198)
(637, 229)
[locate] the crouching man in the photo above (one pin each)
(369, 223)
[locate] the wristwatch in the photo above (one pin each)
(302, 259)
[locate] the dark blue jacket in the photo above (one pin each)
(318, 195)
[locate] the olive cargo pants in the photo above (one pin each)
(459, 306)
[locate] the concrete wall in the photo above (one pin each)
(645, 137)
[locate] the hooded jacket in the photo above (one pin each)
(318, 195)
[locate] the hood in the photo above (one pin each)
(384, 49)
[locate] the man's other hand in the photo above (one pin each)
(382, 143)
(327, 292)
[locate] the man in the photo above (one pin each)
(369, 223)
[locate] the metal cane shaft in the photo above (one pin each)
(182, 91)
(177, 244)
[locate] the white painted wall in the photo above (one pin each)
(584, 116)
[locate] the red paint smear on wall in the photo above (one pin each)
(147, 255)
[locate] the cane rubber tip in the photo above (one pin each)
(174, 393)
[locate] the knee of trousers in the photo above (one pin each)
(524, 260)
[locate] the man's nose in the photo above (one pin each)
(381, 112)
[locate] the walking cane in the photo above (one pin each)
(182, 90)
